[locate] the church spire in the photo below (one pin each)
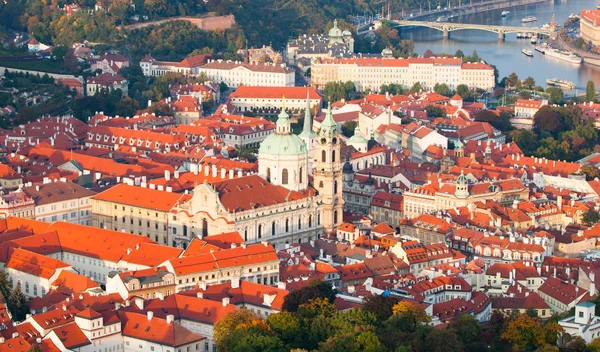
(328, 126)
(307, 117)
(283, 121)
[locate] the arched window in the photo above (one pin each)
(284, 177)
(310, 221)
(335, 217)
(333, 156)
(273, 228)
(323, 156)
(246, 234)
(299, 223)
(204, 227)
(259, 231)
(319, 219)
(300, 178)
(335, 187)
(287, 225)
(27, 287)
(268, 174)
(320, 184)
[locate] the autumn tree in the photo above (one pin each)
(380, 305)
(411, 313)
(315, 289)
(524, 333)
(224, 328)
(548, 119)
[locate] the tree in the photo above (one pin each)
(380, 305)
(239, 317)
(348, 128)
(512, 80)
(416, 88)
(35, 348)
(590, 172)
(314, 290)
(590, 217)
(466, 327)
(556, 95)
(202, 77)
(459, 53)
(252, 337)
(17, 304)
(548, 119)
(524, 333)
(475, 57)
(59, 52)
(529, 82)
(26, 114)
(500, 122)
(70, 61)
(335, 91)
(442, 341)
(463, 90)
(126, 107)
(442, 89)
(288, 328)
(223, 87)
(410, 313)
(595, 344)
(590, 91)
(4, 285)
(434, 111)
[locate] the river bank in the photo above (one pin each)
(464, 10)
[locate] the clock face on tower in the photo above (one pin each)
(323, 140)
(334, 140)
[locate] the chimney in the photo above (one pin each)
(230, 173)
(214, 170)
(559, 201)
(167, 175)
(199, 294)
(139, 302)
(170, 318)
(235, 282)
(225, 301)
(160, 296)
(281, 285)
(176, 174)
(117, 306)
(150, 314)
(223, 172)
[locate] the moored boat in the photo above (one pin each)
(529, 19)
(527, 52)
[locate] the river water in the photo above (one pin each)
(507, 55)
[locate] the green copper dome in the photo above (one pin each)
(335, 33)
(282, 144)
(357, 137)
(282, 141)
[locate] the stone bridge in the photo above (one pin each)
(447, 27)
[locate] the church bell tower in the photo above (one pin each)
(327, 173)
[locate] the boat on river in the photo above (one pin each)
(505, 13)
(527, 52)
(556, 82)
(529, 19)
(563, 55)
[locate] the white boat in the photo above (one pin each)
(527, 52)
(442, 19)
(529, 19)
(563, 55)
(505, 13)
(560, 83)
(540, 49)
(534, 40)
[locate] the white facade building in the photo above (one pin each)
(236, 73)
(371, 73)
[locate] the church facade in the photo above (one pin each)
(276, 205)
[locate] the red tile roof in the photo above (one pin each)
(34, 264)
(142, 197)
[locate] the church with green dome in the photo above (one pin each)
(283, 156)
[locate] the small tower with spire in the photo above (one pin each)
(307, 135)
(462, 186)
